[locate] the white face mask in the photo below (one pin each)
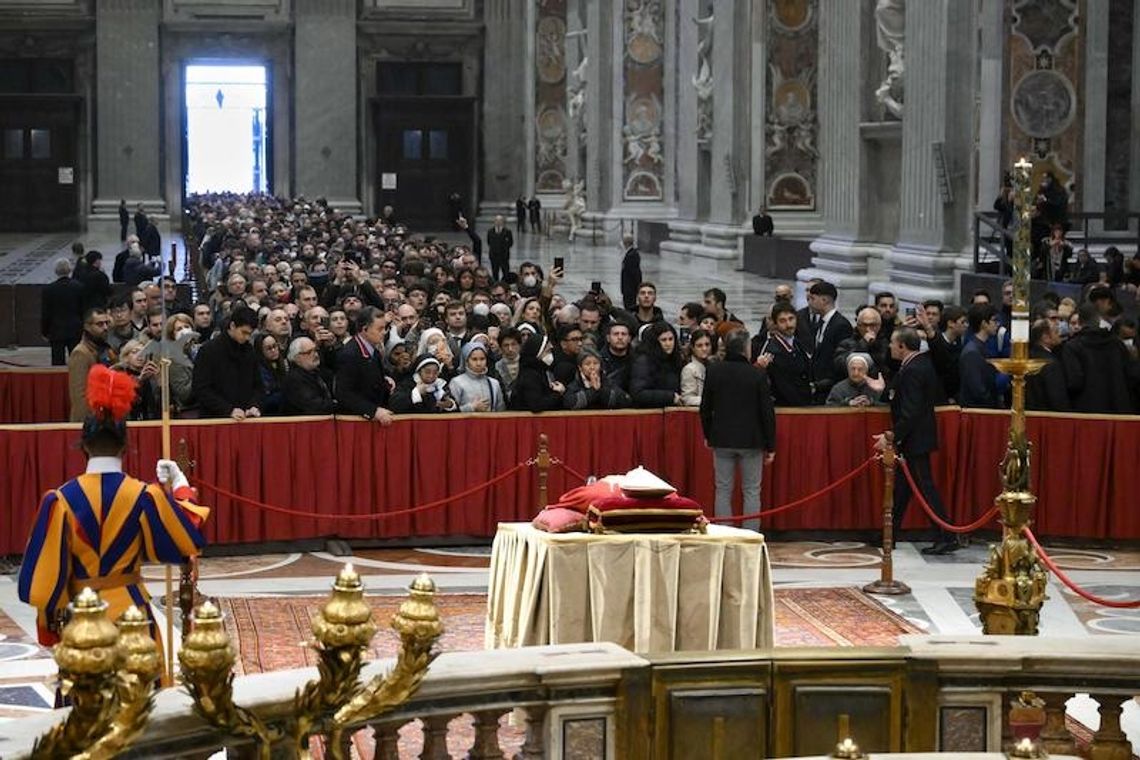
(530, 281)
(547, 359)
(184, 331)
(1129, 342)
(481, 309)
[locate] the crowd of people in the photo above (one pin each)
(310, 311)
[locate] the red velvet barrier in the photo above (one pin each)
(33, 395)
(1084, 469)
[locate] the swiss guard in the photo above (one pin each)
(96, 530)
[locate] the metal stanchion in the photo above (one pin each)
(543, 462)
(887, 584)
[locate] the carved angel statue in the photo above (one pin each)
(575, 204)
(703, 79)
(777, 138)
(890, 33)
(641, 19)
(577, 91)
(633, 147)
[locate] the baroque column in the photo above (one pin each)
(934, 208)
(127, 117)
(601, 18)
(839, 256)
(325, 102)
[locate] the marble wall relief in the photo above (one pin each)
(1046, 113)
(790, 154)
(643, 162)
(551, 122)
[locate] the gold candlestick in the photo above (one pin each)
(1010, 591)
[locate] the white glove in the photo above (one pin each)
(170, 474)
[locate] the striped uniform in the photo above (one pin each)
(103, 526)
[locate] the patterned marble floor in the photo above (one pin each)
(940, 601)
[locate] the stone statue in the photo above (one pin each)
(575, 204)
(703, 79)
(890, 24)
(576, 89)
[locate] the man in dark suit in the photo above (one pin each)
(140, 220)
(520, 214)
(96, 285)
(499, 242)
(762, 223)
(785, 359)
(820, 328)
(151, 241)
(534, 211)
(1045, 390)
(362, 387)
(914, 392)
(124, 220)
(227, 380)
(306, 392)
(61, 313)
(1101, 374)
(630, 273)
(739, 422)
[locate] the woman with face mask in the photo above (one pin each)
(535, 389)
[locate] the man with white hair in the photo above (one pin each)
(306, 392)
(61, 313)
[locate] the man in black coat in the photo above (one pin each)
(499, 242)
(630, 273)
(306, 392)
(739, 422)
(362, 387)
(520, 214)
(785, 359)
(762, 223)
(820, 328)
(1045, 390)
(151, 241)
(61, 313)
(914, 392)
(1102, 376)
(96, 285)
(124, 220)
(227, 378)
(140, 220)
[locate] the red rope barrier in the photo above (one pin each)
(1048, 562)
(373, 516)
(801, 501)
(569, 470)
(934, 517)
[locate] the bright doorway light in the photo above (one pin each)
(226, 128)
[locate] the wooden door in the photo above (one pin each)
(38, 172)
(424, 150)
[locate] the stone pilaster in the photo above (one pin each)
(325, 102)
(991, 103)
(839, 257)
(601, 17)
(686, 149)
(1095, 94)
(938, 110)
(127, 113)
(504, 73)
(729, 146)
(1134, 157)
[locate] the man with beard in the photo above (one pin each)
(91, 350)
(786, 360)
(616, 359)
(306, 392)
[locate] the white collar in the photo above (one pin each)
(99, 465)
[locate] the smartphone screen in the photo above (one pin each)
(559, 262)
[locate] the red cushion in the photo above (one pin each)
(618, 500)
(560, 520)
(583, 496)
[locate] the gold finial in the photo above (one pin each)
(346, 619)
(1024, 748)
(206, 651)
(88, 642)
(847, 749)
(424, 583)
(138, 651)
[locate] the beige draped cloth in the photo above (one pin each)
(645, 592)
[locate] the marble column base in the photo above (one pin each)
(841, 262)
(348, 205)
(915, 274)
(702, 240)
(103, 221)
(488, 210)
(796, 223)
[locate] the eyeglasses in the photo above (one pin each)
(306, 351)
(575, 338)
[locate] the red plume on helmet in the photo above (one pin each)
(110, 394)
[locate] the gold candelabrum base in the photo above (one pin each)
(331, 704)
(107, 674)
(1010, 590)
